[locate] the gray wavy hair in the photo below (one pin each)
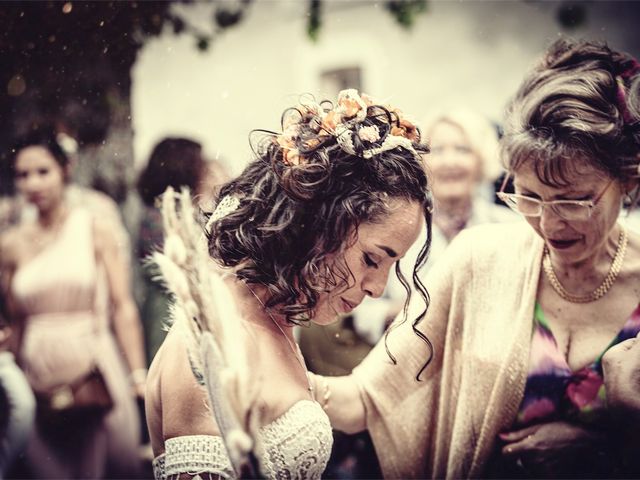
(579, 102)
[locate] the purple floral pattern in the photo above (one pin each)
(555, 392)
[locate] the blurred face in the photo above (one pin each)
(455, 167)
(39, 177)
(574, 241)
(376, 249)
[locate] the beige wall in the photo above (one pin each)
(458, 53)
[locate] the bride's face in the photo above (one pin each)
(370, 258)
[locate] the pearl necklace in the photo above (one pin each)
(296, 350)
(606, 284)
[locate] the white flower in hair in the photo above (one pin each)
(391, 142)
(350, 104)
(344, 137)
(370, 133)
(227, 205)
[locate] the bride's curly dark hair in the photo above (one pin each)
(293, 214)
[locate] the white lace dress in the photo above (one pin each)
(297, 445)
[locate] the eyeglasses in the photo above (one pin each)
(565, 209)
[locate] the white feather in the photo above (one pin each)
(219, 345)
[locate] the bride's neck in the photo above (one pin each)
(253, 299)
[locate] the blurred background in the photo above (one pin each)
(429, 56)
(146, 94)
(119, 76)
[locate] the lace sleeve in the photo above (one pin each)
(197, 457)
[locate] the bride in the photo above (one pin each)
(312, 226)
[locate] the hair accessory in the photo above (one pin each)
(344, 123)
(370, 133)
(228, 204)
(621, 100)
(632, 68)
(67, 143)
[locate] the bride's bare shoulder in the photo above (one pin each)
(173, 387)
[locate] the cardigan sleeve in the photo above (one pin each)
(402, 412)
(482, 291)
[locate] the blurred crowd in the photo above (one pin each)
(83, 312)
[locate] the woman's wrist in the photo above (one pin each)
(322, 392)
(138, 376)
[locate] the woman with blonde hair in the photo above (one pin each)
(463, 164)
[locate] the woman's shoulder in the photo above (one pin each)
(173, 389)
(14, 241)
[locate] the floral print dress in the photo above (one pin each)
(553, 391)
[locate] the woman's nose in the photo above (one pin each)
(375, 283)
(549, 219)
(30, 183)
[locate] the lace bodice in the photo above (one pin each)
(297, 445)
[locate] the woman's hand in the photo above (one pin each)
(621, 367)
(138, 380)
(550, 448)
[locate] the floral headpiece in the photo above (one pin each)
(632, 68)
(360, 126)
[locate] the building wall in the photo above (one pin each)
(471, 53)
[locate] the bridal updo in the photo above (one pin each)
(284, 222)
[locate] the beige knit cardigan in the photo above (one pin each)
(483, 293)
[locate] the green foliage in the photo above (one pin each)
(314, 21)
(406, 11)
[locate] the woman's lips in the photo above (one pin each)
(347, 306)
(561, 244)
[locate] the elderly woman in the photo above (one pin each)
(463, 164)
(510, 382)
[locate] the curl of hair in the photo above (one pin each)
(294, 221)
(570, 106)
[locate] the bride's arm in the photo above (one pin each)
(178, 411)
(340, 398)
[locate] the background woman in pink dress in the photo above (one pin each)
(62, 273)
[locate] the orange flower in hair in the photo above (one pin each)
(343, 122)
